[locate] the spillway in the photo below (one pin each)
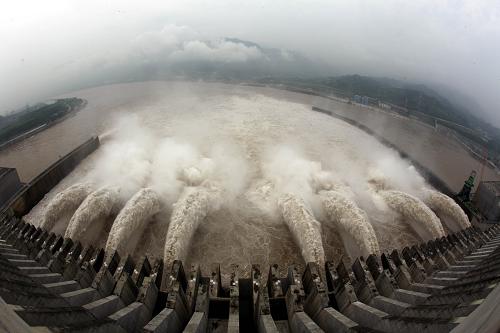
(248, 228)
(65, 202)
(94, 209)
(422, 219)
(447, 209)
(259, 126)
(189, 211)
(352, 222)
(304, 228)
(131, 221)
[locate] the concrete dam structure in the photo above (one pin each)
(56, 277)
(52, 282)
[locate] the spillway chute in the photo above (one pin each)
(352, 222)
(305, 229)
(95, 209)
(64, 203)
(188, 212)
(447, 209)
(132, 220)
(421, 218)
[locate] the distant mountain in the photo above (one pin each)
(457, 98)
(233, 59)
(270, 62)
(416, 97)
(440, 102)
(244, 42)
(228, 59)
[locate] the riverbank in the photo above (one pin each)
(73, 110)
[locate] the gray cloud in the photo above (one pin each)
(219, 51)
(181, 43)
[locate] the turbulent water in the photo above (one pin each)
(304, 227)
(95, 209)
(447, 209)
(353, 221)
(64, 203)
(187, 215)
(131, 221)
(422, 218)
(186, 133)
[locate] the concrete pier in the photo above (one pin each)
(64, 285)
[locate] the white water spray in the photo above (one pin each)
(447, 209)
(304, 228)
(94, 209)
(189, 211)
(254, 123)
(65, 202)
(422, 219)
(132, 220)
(352, 221)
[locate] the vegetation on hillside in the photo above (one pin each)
(32, 117)
(413, 97)
(422, 99)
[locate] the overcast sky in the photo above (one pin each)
(46, 44)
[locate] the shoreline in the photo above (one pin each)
(41, 128)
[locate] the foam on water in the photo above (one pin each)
(132, 221)
(95, 209)
(304, 228)
(188, 212)
(346, 215)
(64, 203)
(447, 209)
(421, 218)
(175, 132)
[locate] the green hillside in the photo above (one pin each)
(35, 116)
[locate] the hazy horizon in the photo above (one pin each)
(50, 49)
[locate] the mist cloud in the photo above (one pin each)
(175, 43)
(220, 51)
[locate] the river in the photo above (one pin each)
(255, 119)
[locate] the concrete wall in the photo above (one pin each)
(43, 183)
(9, 185)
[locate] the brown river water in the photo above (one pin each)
(262, 123)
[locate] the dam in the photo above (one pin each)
(55, 282)
(135, 231)
(440, 286)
